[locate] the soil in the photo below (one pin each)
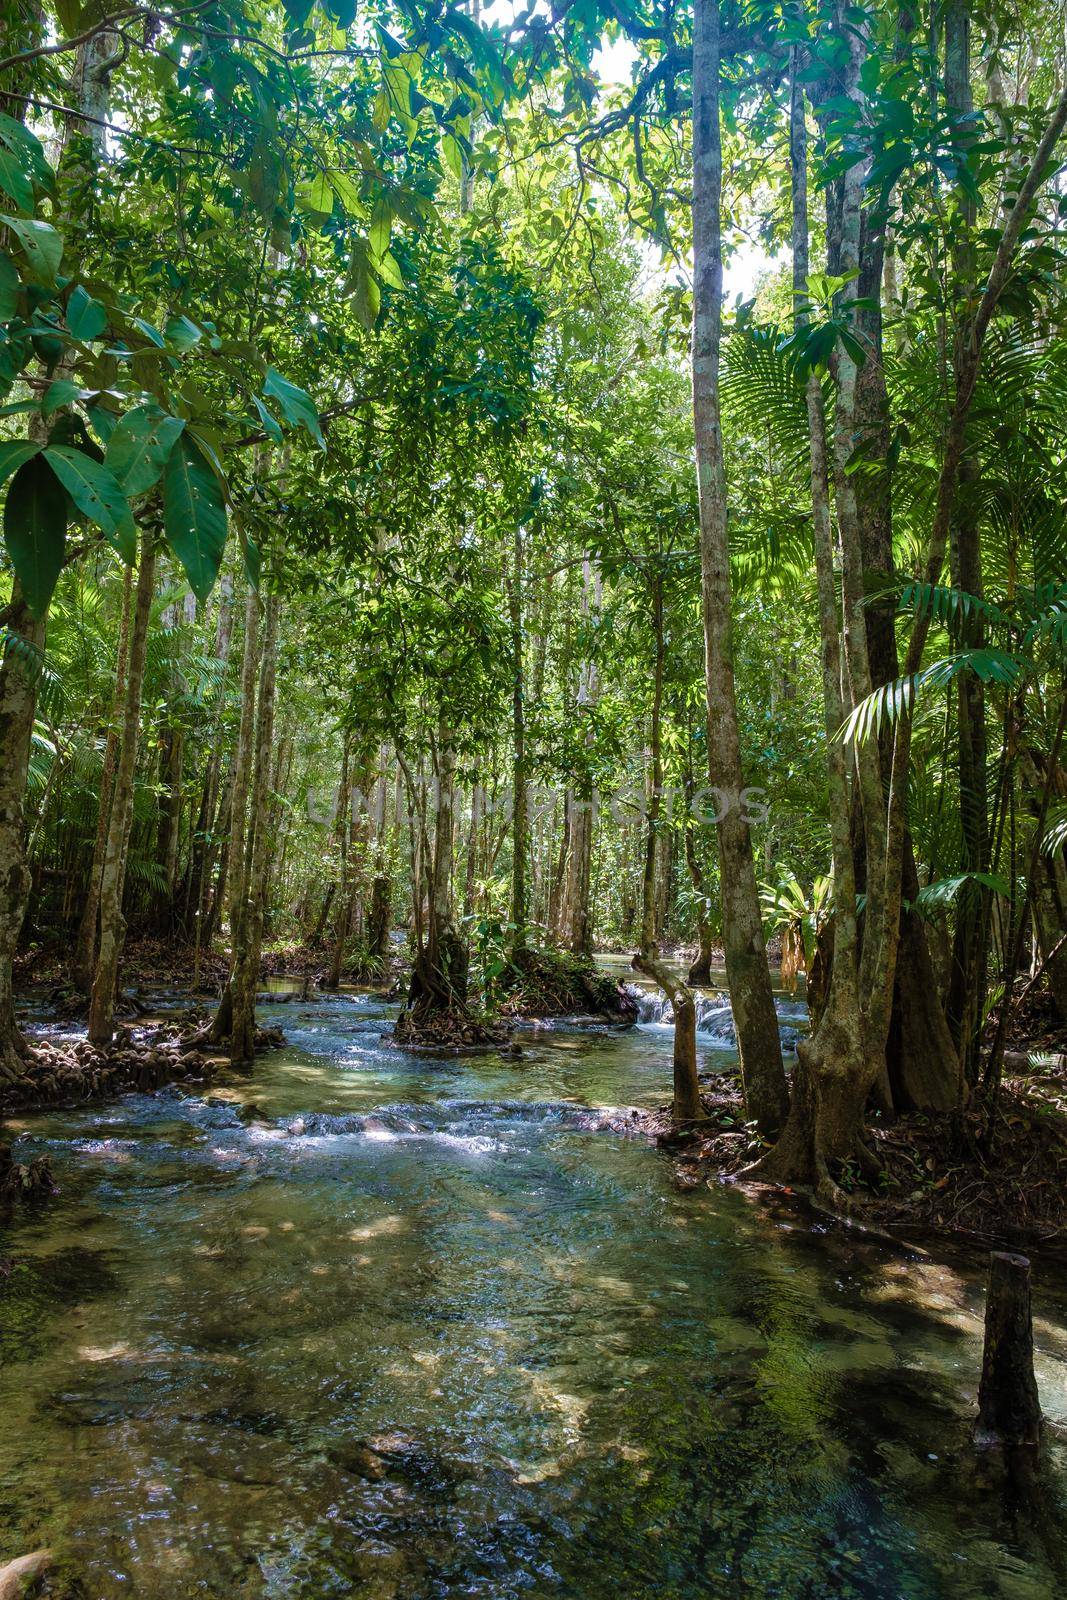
(1003, 1184)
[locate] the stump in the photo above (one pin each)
(1009, 1411)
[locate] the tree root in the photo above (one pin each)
(70, 1074)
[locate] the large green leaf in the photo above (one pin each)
(194, 514)
(16, 137)
(297, 406)
(140, 447)
(41, 246)
(13, 452)
(35, 531)
(15, 181)
(86, 317)
(97, 494)
(10, 288)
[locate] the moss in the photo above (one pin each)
(553, 983)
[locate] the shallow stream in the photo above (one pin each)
(364, 1324)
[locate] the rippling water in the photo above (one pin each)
(362, 1324)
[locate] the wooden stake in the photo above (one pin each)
(1009, 1411)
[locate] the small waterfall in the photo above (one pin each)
(715, 1019)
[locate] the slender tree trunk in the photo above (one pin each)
(700, 970)
(86, 937)
(250, 939)
(967, 977)
(748, 973)
(344, 831)
(520, 818)
(240, 829)
(686, 1106)
(17, 704)
(113, 876)
(170, 824)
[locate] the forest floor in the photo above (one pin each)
(152, 963)
(999, 1179)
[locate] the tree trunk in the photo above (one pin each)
(17, 704)
(1009, 1410)
(519, 818)
(85, 940)
(832, 1077)
(240, 832)
(700, 971)
(686, 1105)
(170, 824)
(254, 885)
(748, 973)
(967, 980)
(344, 829)
(113, 876)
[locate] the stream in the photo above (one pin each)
(366, 1324)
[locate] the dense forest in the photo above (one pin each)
(546, 512)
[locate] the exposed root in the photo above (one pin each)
(917, 1173)
(205, 1039)
(445, 1032)
(21, 1182)
(61, 1074)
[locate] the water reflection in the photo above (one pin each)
(404, 1328)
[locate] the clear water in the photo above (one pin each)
(368, 1325)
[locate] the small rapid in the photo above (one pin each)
(361, 1323)
(715, 1018)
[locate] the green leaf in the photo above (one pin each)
(35, 531)
(13, 452)
(297, 407)
(363, 287)
(10, 288)
(150, 332)
(381, 224)
(389, 271)
(86, 317)
(41, 246)
(183, 333)
(14, 181)
(97, 494)
(270, 423)
(453, 156)
(140, 446)
(316, 196)
(194, 514)
(27, 149)
(61, 393)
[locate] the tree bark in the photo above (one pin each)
(254, 886)
(747, 970)
(1009, 1411)
(113, 876)
(240, 831)
(686, 1105)
(520, 818)
(85, 940)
